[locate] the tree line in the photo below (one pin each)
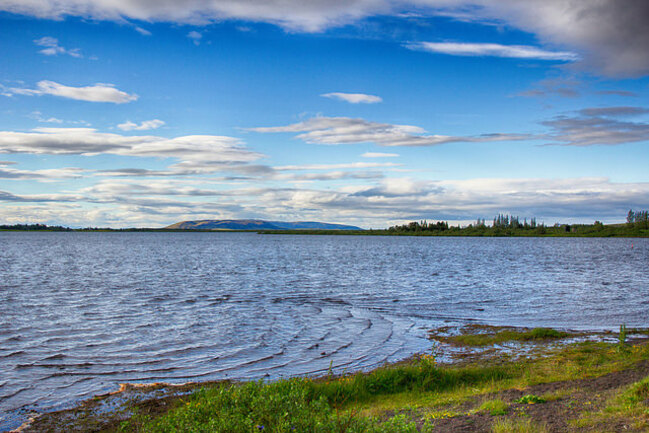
(34, 227)
(511, 225)
(501, 221)
(638, 219)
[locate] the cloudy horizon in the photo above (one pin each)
(127, 113)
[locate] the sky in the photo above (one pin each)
(133, 113)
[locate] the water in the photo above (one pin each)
(82, 312)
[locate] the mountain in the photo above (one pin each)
(257, 225)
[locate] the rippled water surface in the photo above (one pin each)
(82, 312)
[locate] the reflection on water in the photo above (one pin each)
(82, 312)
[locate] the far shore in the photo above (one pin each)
(612, 233)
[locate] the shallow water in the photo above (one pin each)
(82, 312)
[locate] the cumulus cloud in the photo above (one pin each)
(52, 47)
(374, 202)
(202, 150)
(397, 198)
(35, 198)
(611, 39)
(599, 126)
(100, 92)
(548, 199)
(492, 50)
(345, 130)
(354, 98)
(332, 175)
(143, 126)
(41, 175)
(251, 173)
(312, 16)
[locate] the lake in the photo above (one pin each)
(82, 312)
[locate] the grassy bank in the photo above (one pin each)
(587, 385)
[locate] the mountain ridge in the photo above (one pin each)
(252, 224)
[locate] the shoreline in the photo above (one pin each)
(615, 232)
(156, 399)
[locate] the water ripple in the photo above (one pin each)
(82, 312)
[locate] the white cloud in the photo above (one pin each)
(52, 47)
(493, 50)
(379, 155)
(376, 204)
(39, 116)
(612, 40)
(143, 32)
(195, 37)
(311, 16)
(354, 98)
(143, 126)
(345, 130)
(336, 166)
(330, 175)
(203, 150)
(583, 199)
(100, 92)
(45, 175)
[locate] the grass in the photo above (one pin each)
(517, 426)
(630, 403)
(559, 394)
(390, 398)
(494, 407)
(283, 406)
(492, 336)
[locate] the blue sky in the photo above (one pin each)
(130, 113)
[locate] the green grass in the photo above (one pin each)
(284, 406)
(505, 335)
(517, 426)
(385, 399)
(630, 403)
(494, 407)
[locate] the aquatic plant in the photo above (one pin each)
(622, 335)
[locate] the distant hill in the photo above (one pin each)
(257, 225)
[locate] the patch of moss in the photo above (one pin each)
(504, 335)
(494, 407)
